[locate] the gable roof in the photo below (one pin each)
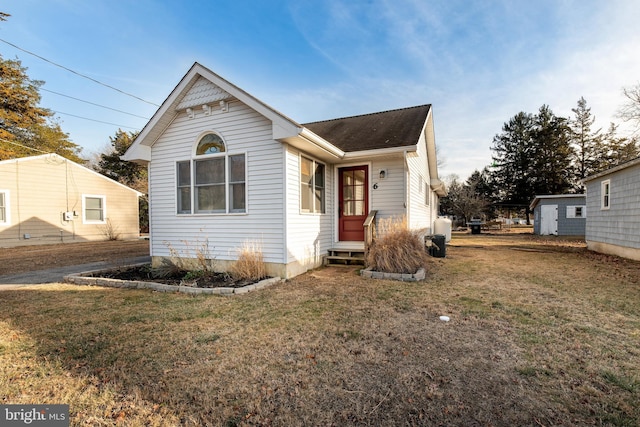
(538, 199)
(386, 129)
(58, 158)
(185, 95)
(329, 140)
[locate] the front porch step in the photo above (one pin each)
(344, 257)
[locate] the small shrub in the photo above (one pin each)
(200, 263)
(250, 264)
(396, 249)
(110, 231)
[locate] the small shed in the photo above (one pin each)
(559, 215)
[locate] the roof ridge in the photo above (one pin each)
(367, 114)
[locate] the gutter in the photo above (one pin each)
(321, 143)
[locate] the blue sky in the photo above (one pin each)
(477, 62)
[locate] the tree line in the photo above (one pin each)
(541, 154)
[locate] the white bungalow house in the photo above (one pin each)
(226, 169)
(613, 203)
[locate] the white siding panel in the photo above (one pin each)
(309, 236)
(421, 214)
(389, 198)
(244, 131)
(620, 224)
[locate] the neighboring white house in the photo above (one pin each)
(559, 215)
(226, 169)
(50, 199)
(613, 202)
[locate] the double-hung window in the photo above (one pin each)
(213, 181)
(312, 186)
(605, 188)
(94, 209)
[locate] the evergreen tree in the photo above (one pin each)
(128, 173)
(26, 128)
(550, 167)
(512, 153)
(587, 144)
(532, 156)
(110, 164)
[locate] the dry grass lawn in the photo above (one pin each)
(542, 333)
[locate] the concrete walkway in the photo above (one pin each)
(56, 275)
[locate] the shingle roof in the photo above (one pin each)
(387, 129)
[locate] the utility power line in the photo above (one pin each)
(24, 146)
(94, 120)
(93, 103)
(79, 74)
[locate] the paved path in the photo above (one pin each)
(56, 275)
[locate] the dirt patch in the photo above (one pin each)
(30, 258)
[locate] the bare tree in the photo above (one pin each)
(630, 110)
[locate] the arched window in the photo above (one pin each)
(211, 143)
(213, 181)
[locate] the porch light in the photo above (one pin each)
(383, 173)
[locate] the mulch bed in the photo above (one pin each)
(145, 273)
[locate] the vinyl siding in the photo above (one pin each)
(421, 214)
(566, 226)
(42, 188)
(309, 236)
(389, 198)
(620, 224)
(244, 131)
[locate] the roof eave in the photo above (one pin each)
(378, 152)
(612, 170)
(282, 127)
(308, 140)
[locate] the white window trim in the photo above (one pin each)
(226, 154)
(84, 209)
(7, 206)
(571, 211)
(427, 195)
(604, 184)
(315, 161)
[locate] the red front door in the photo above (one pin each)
(353, 183)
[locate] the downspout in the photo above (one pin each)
(150, 216)
(285, 216)
(405, 185)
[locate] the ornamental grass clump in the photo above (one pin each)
(250, 264)
(396, 248)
